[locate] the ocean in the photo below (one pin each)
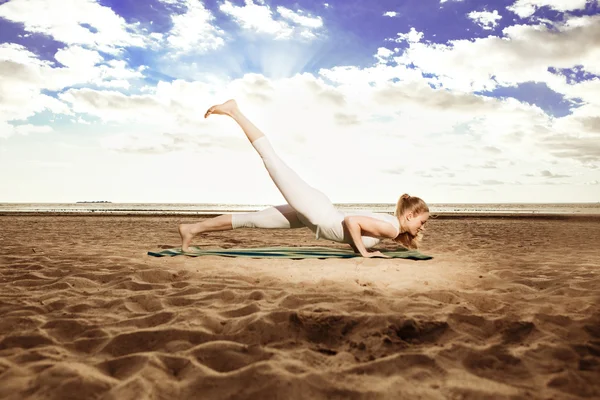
(184, 208)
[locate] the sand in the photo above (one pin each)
(509, 308)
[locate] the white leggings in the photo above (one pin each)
(306, 206)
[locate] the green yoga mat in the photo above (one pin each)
(285, 252)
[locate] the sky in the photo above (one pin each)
(452, 101)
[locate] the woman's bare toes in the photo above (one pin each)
(209, 111)
(226, 108)
(186, 234)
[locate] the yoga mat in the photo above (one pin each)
(285, 252)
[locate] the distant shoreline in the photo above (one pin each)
(203, 215)
(520, 210)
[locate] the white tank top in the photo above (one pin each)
(335, 231)
(392, 219)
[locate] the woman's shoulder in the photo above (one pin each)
(381, 216)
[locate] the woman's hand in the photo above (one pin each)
(375, 254)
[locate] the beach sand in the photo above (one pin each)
(509, 308)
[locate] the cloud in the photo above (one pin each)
(460, 184)
(583, 149)
(111, 105)
(390, 14)
(587, 91)
(548, 174)
(492, 182)
(88, 66)
(193, 29)
(492, 149)
(346, 119)
(383, 54)
(22, 78)
(7, 130)
(78, 57)
(26, 82)
(432, 99)
(464, 121)
(485, 19)
(384, 110)
(300, 18)
(178, 103)
(419, 111)
(442, 173)
(486, 165)
(394, 171)
(259, 18)
(591, 124)
(87, 23)
(413, 36)
(165, 142)
(486, 63)
(526, 8)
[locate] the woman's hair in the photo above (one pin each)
(409, 204)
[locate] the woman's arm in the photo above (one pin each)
(357, 225)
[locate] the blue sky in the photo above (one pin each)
(452, 101)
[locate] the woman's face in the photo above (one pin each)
(416, 223)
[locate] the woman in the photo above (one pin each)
(307, 206)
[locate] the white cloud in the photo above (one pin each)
(383, 54)
(78, 57)
(109, 32)
(24, 78)
(487, 20)
(526, 8)
(300, 18)
(260, 18)
(178, 104)
(256, 18)
(18, 54)
(7, 130)
(88, 66)
(118, 70)
(111, 105)
(355, 111)
(517, 57)
(390, 14)
(193, 29)
(475, 127)
(413, 36)
(414, 130)
(485, 63)
(28, 128)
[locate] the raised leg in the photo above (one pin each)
(310, 203)
(231, 109)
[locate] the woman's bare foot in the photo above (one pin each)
(187, 234)
(227, 108)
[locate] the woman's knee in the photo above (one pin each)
(269, 218)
